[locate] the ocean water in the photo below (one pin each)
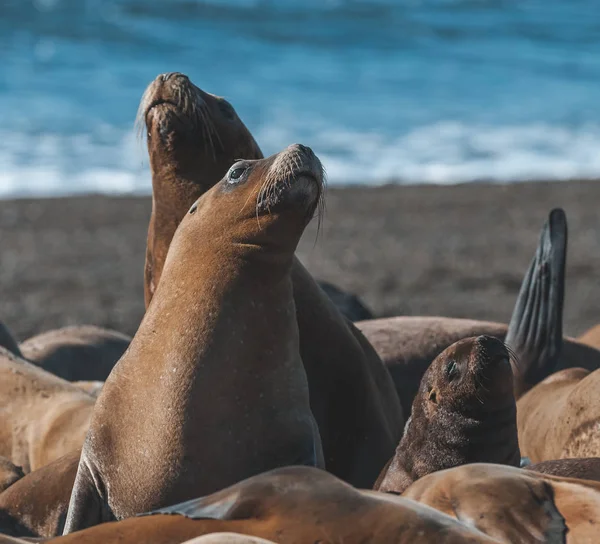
(419, 91)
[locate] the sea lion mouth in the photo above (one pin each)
(156, 103)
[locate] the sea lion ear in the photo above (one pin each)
(535, 330)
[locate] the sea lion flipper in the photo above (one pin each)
(535, 329)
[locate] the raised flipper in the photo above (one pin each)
(535, 330)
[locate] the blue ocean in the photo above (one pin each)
(413, 91)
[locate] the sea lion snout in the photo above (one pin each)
(490, 350)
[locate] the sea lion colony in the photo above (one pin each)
(249, 407)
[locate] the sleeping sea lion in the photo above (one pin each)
(212, 388)
(193, 138)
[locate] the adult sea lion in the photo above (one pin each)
(43, 417)
(193, 138)
(37, 504)
(292, 505)
(77, 353)
(514, 505)
(212, 388)
(464, 412)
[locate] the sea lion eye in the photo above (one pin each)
(193, 208)
(451, 370)
(236, 173)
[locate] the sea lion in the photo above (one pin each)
(193, 138)
(514, 505)
(292, 505)
(77, 353)
(36, 505)
(43, 416)
(560, 417)
(464, 412)
(7, 340)
(591, 337)
(583, 468)
(212, 388)
(9, 473)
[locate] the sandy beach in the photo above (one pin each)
(412, 250)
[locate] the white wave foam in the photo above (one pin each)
(112, 161)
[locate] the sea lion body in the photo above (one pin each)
(560, 417)
(43, 417)
(514, 505)
(77, 353)
(407, 345)
(193, 138)
(464, 412)
(292, 505)
(36, 505)
(212, 388)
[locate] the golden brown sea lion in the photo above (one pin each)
(464, 412)
(591, 337)
(36, 505)
(43, 417)
(212, 388)
(193, 138)
(9, 473)
(78, 353)
(560, 417)
(293, 505)
(514, 505)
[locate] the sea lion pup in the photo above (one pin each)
(583, 468)
(212, 388)
(464, 412)
(77, 353)
(193, 138)
(7, 340)
(535, 330)
(43, 417)
(9, 473)
(291, 505)
(514, 505)
(37, 504)
(591, 337)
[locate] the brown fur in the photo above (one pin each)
(43, 416)
(560, 417)
(464, 412)
(583, 468)
(591, 337)
(78, 353)
(37, 504)
(351, 393)
(514, 505)
(212, 388)
(228, 538)
(9, 473)
(295, 505)
(407, 345)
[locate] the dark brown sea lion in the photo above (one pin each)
(464, 412)
(7, 340)
(293, 505)
(193, 138)
(583, 468)
(591, 337)
(514, 505)
(43, 417)
(36, 505)
(9, 473)
(560, 417)
(212, 388)
(78, 353)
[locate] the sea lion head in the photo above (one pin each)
(266, 202)
(192, 135)
(464, 412)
